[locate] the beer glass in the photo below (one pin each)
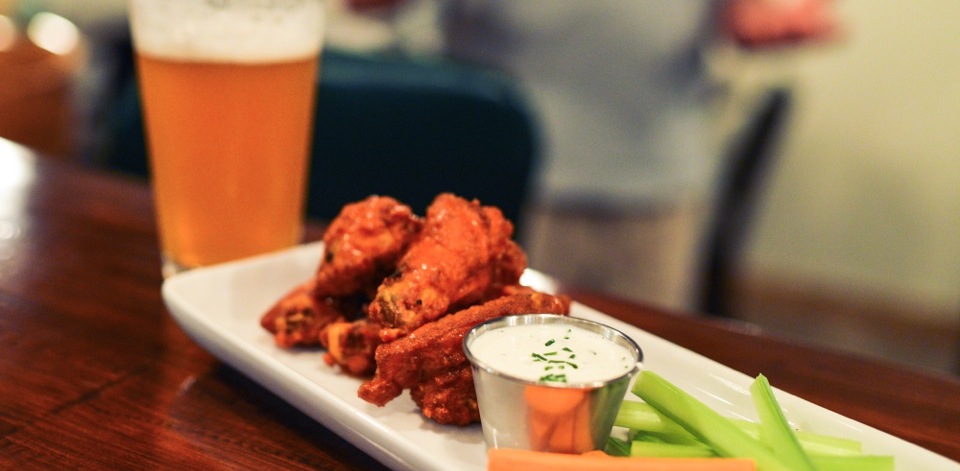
(228, 94)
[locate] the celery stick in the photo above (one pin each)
(812, 443)
(617, 447)
(827, 445)
(669, 450)
(775, 431)
(641, 436)
(641, 416)
(854, 463)
(655, 437)
(703, 422)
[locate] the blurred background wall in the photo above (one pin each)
(861, 218)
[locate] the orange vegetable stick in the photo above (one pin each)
(561, 440)
(582, 431)
(541, 428)
(505, 459)
(558, 419)
(553, 400)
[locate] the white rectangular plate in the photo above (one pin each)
(220, 308)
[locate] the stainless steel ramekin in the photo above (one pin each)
(548, 416)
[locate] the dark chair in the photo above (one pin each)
(394, 126)
(750, 158)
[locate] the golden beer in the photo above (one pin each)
(228, 146)
(228, 114)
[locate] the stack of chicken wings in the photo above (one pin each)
(395, 293)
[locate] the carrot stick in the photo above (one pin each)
(541, 426)
(558, 419)
(582, 431)
(553, 400)
(505, 459)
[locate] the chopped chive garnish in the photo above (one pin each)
(554, 378)
(553, 364)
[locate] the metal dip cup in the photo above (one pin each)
(573, 417)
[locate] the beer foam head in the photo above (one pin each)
(245, 31)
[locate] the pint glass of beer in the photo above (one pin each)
(228, 96)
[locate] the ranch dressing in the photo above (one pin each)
(554, 353)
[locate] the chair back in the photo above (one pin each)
(750, 158)
(412, 129)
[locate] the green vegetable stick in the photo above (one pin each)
(617, 447)
(642, 417)
(669, 450)
(814, 444)
(775, 431)
(854, 463)
(703, 422)
(688, 439)
(637, 415)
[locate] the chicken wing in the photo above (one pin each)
(448, 397)
(351, 346)
(431, 363)
(464, 255)
(298, 317)
(363, 244)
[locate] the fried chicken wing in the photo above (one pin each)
(464, 255)
(351, 346)
(408, 274)
(431, 363)
(298, 317)
(448, 397)
(363, 244)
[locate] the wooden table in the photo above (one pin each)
(94, 373)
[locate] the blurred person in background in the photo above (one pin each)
(621, 92)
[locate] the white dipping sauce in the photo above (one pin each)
(552, 353)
